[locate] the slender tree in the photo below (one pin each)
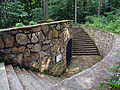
(85, 4)
(45, 9)
(75, 10)
(99, 8)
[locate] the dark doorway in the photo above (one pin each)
(69, 52)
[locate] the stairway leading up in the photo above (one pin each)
(82, 44)
(84, 52)
(14, 78)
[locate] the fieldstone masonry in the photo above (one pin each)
(37, 45)
(109, 46)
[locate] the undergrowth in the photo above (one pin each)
(114, 82)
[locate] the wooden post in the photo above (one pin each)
(45, 9)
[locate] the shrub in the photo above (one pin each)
(114, 82)
(36, 14)
(32, 23)
(104, 23)
(19, 25)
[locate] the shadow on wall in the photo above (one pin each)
(69, 52)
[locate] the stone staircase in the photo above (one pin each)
(82, 44)
(14, 78)
(84, 53)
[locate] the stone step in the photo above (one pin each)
(90, 51)
(35, 84)
(4, 85)
(80, 36)
(13, 79)
(82, 42)
(42, 83)
(83, 49)
(79, 33)
(52, 79)
(81, 39)
(76, 27)
(44, 79)
(27, 85)
(83, 45)
(77, 54)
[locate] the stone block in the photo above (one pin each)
(1, 43)
(13, 32)
(55, 33)
(45, 47)
(34, 38)
(30, 46)
(41, 36)
(35, 56)
(36, 48)
(58, 27)
(26, 53)
(45, 29)
(22, 39)
(9, 40)
(28, 62)
(50, 35)
(18, 59)
(42, 54)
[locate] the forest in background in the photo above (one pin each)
(25, 11)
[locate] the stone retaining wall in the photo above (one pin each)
(104, 40)
(90, 78)
(37, 45)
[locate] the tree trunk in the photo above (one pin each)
(0, 14)
(5, 14)
(85, 4)
(30, 4)
(75, 10)
(109, 1)
(25, 4)
(45, 9)
(99, 8)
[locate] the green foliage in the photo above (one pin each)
(36, 14)
(61, 9)
(114, 82)
(32, 23)
(19, 25)
(104, 23)
(16, 13)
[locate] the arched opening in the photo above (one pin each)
(69, 52)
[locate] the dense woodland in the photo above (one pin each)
(94, 13)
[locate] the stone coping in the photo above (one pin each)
(100, 30)
(32, 26)
(90, 78)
